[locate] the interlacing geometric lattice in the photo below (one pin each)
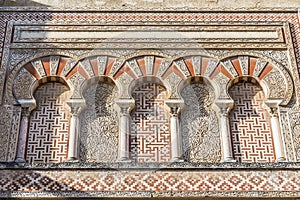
(250, 127)
(150, 137)
(49, 125)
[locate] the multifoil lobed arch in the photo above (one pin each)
(273, 77)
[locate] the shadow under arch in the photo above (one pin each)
(99, 121)
(48, 134)
(150, 137)
(199, 121)
(49, 79)
(251, 133)
(148, 79)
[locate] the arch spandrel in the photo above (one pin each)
(143, 68)
(22, 85)
(88, 68)
(186, 67)
(50, 68)
(274, 78)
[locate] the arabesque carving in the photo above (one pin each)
(199, 124)
(5, 131)
(23, 84)
(99, 124)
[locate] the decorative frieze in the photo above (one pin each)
(149, 55)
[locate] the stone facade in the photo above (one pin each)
(111, 102)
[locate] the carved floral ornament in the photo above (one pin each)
(274, 78)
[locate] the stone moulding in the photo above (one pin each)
(133, 35)
(269, 60)
(134, 183)
(161, 9)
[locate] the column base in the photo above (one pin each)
(72, 160)
(177, 160)
(229, 160)
(281, 160)
(20, 160)
(127, 160)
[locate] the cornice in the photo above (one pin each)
(151, 10)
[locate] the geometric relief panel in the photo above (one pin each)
(296, 140)
(250, 126)
(49, 124)
(199, 124)
(150, 138)
(99, 124)
(74, 182)
(5, 131)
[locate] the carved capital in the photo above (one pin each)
(175, 105)
(126, 105)
(224, 111)
(273, 112)
(225, 105)
(25, 111)
(125, 110)
(27, 105)
(174, 111)
(273, 106)
(76, 106)
(75, 111)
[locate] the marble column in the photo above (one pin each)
(73, 148)
(226, 136)
(277, 136)
(23, 133)
(126, 106)
(224, 109)
(176, 139)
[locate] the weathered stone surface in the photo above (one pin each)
(158, 64)
(154, 3)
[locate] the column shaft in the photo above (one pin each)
(225, 134)
(124, 128)
(277, 139)
(226, 139)
(124, 137)
(175, 139)
(24, 128)
(73, 139)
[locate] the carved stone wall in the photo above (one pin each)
(170, 46)
(9, 126)
(291, 123)
(250, 126)
(49, 125)
(99, 125)
(154, 3)
(199, 124)
(150, 137)
(296, 136)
